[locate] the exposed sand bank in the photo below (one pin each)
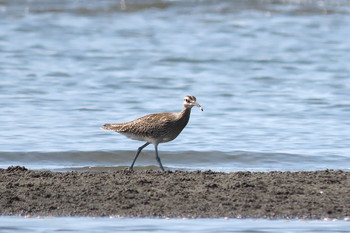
(316, 194)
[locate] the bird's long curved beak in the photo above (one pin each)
(198, 105)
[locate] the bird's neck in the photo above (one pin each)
(184, 115)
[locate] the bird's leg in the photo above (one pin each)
(157, 157)
(137, 154)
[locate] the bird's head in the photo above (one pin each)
(190, 101)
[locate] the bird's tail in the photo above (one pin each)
(109, 126)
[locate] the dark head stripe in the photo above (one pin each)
(191, 97)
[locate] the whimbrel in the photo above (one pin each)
(156, 128)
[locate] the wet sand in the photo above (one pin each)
(151, 193)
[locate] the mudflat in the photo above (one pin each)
(190, 194)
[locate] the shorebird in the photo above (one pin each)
(156, 128)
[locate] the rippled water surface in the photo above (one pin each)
(272, 76)
(62, 224)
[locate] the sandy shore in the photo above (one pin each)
(315, 195)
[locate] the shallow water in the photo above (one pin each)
(272, 76)
(177, 160)
(63, 224)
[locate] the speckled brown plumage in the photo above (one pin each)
(156, 128)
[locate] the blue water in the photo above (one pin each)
(114, 224)
(272, 77)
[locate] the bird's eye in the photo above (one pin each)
(187, 100)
